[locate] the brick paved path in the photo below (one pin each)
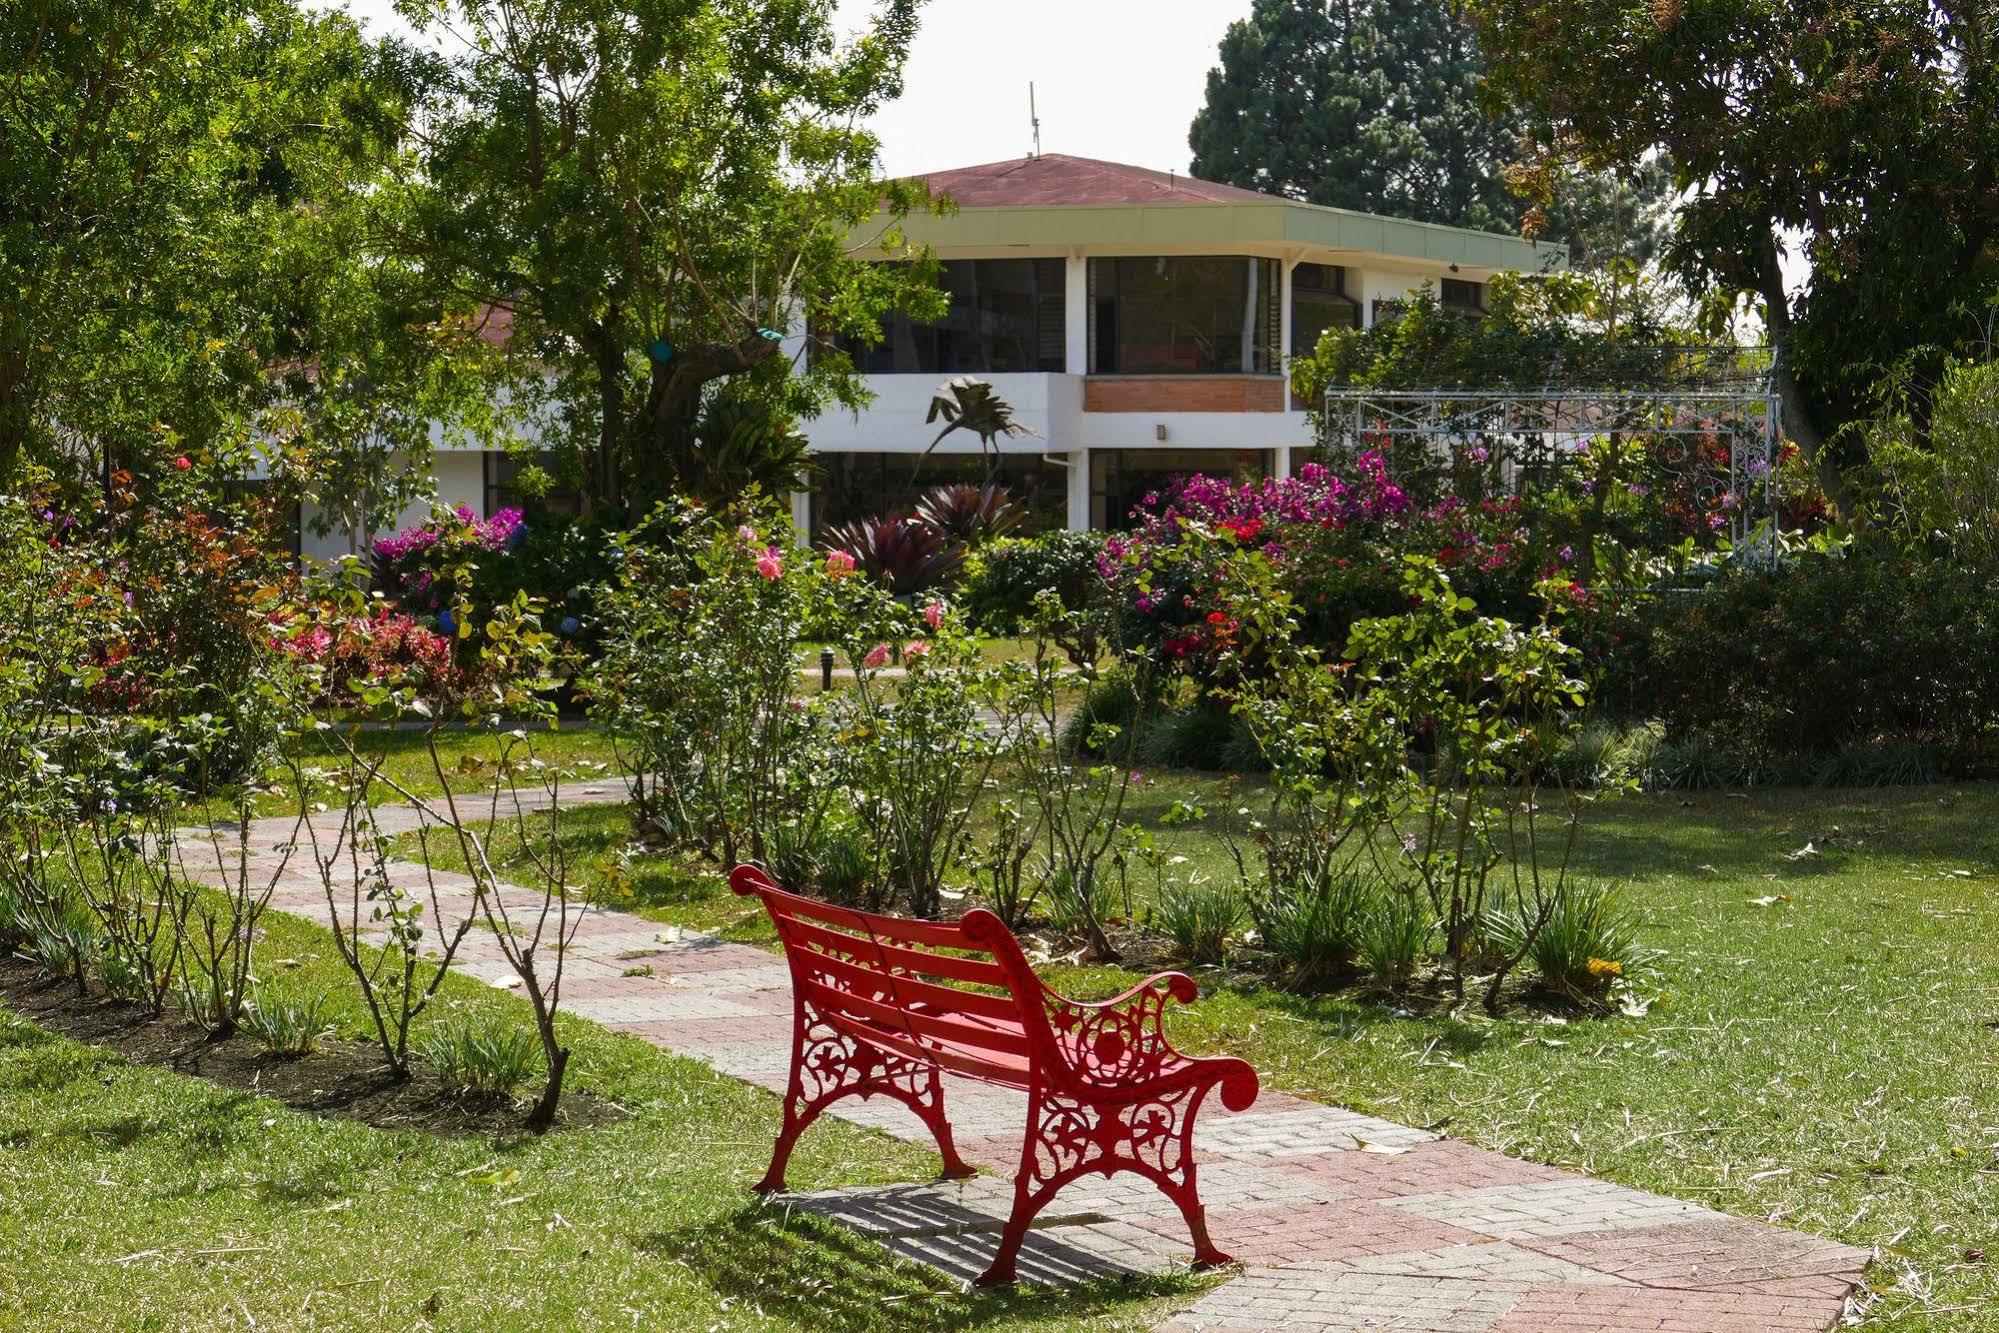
(1341, 1221)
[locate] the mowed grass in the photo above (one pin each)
(1821, 1048)
(138, 1198)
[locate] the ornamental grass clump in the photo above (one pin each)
(482, 1056)
(1586, 945)
(1199, 916)
(284, 1024)
(1314, 927)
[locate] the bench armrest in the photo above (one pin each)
(1122, 1039)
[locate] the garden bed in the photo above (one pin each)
(339, 1078)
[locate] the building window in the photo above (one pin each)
(1466, 298)
(1006, 315)
(501, 492)
(1319, 301)
(1190, 316)
(852, 487)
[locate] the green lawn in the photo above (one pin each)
(137, 1198)
(1822, 1048)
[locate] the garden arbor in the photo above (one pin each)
(1693, 433)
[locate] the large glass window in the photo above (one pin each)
(858, 486)
(1319, 301)
(1185, 316)
(1006, 315)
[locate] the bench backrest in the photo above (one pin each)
(956, 994)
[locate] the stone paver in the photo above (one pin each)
(1341, 1220)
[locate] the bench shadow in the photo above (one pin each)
(791, 1264)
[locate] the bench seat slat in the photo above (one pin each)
(1008, 1071)
(967, 1033)
(904, 930)
(910, 989)
(977, 971)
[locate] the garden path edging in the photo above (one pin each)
(1340, 1221)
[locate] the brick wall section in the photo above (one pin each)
(1183, 393)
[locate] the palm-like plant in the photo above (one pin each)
(971, 404)
(971, 515)
(740, 443)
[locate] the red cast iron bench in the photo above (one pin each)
(884, 1005)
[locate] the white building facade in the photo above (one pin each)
(1141, 323)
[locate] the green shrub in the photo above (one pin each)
(1205, 735)
(1394, 937)
(1884, 763)
(284, 1024)
(1588, 944)
(1002, 578)
(1314, 928)
(1112, 700)
(793, 857)
(1198, 916)
(486, 1056)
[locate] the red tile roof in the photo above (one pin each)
(1055, 180)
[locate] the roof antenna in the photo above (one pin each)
(1034, 115)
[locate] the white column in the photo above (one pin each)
(1280, 462)
(801, 517)
(1079, 490)
(1076, 316)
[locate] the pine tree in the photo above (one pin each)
(1378, 105)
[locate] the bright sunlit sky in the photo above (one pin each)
(1116, 79)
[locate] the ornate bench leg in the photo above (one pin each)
(826, 1065)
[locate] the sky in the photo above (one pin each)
(1115, 79)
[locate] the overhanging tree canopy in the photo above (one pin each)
(660, 190)
(1867, 131)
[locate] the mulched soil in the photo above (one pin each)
(340, 1079)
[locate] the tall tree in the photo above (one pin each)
(181, 183)
(1860, 135)
(660, 191)
(1380, 106)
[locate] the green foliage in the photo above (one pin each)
(698, 675)
(1003, 578)
(1199, 915)
(658, 194)
(285, 1023)
(1314, 925)
(1381, 107)
(1827, 651)
(1585, 946)
(482, 1055)
(1872, 180)
(1395, 936)
(1939, 479)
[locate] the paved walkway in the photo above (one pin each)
(1341, 1221)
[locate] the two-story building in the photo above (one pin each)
(1140, 322)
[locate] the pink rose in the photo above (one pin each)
(877, 656)
(839, 564)
(917, 649)
(933, 614)
(747, 533)
(183, 463)
(769, 565)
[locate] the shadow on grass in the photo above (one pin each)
(826, 1277)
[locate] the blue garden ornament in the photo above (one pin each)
(661, 351)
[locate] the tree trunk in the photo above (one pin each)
(663, 455)
(1799, 422)
(542, 1118)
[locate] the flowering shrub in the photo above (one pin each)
(412, 563)
(347, 653)
(1337, 545)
